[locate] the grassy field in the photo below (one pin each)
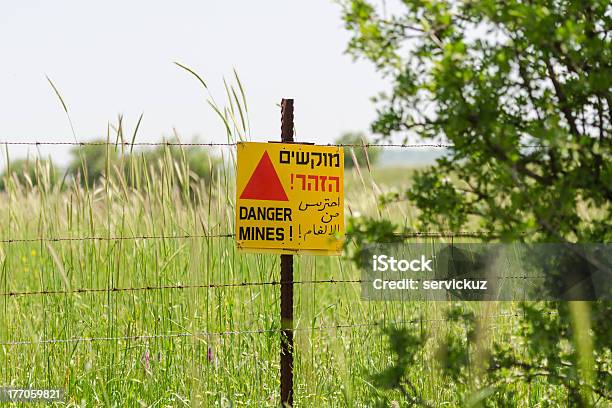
(207, 346)
(181, 328)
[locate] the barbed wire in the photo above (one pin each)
(218, 285)
(233, 144)
(113, 238)
(125, 144)
(254, 331)
(412, 145)
(162, 287)
(409, 234)
(442, 234)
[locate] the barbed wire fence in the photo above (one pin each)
(409, 234)
(210, 286)
(254, 331)
(224, 235)
(233, 144)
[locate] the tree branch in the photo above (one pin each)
(563, 103)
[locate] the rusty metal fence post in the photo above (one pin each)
(286, 290)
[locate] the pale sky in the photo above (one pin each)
(115, 57)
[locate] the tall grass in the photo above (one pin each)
(333, 365)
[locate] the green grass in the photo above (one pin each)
(332, 365)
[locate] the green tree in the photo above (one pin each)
(30, 173)
(92, 161)
(493, 78)
(365, 156)
(196, 161)
(523, 93)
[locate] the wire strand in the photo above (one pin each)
(119, 238)
(211, 286)
(243, 332)
(409, 234)
(213, 144)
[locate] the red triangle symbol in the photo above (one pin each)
(264, 183)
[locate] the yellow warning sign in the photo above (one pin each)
(290, 198)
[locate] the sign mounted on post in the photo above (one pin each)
(290, 198)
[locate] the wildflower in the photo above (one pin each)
(147, 360)
(33, 252)
(209, 355)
